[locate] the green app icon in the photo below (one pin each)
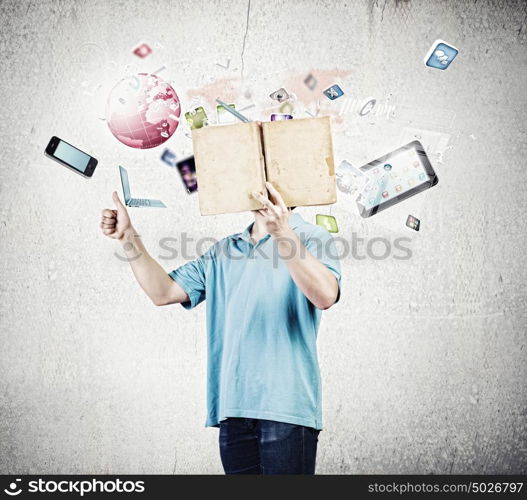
(327, 222)
(196, 118)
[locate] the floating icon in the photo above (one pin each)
(333, 92)
(142, 50)
(328, 222)
(277, 117)
(169, 157)
(196, 118)
(367, 107)
(279, 95)
(310, 82)
(440, 55)
(286, 108)
(413, 222)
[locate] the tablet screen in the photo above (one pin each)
(394, 177)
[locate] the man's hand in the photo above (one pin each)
(116, 223)
(310, 275)
(275, 212)
(150, 275)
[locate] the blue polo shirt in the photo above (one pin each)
(262, 330)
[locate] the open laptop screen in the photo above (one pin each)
(125, 183)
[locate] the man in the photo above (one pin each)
(265, 290)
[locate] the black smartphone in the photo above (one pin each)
(71, 157)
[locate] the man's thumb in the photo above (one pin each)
(117, 201)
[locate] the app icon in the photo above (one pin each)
(422, 177)
(142, 50)
(279, 95)
(440, 55)
(327, 221)
(375, 170)
(411, 182)
(276, 117)
(310, 82)
(286, 108)
(417, 163)
(385, 194)
(333, 92)
(387, 166)
(372, 201)
(367, 107)
(398, 188)
(196, 118)
(169, 157)
(413, 222)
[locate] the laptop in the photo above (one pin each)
(135, 202)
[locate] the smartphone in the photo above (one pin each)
(71, 157)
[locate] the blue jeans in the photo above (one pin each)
(254, 446)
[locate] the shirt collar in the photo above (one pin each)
(295, 220)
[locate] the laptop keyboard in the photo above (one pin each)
(140, 202)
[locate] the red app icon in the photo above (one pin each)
(142, 50)
(385, 194)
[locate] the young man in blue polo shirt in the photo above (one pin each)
(264, 290)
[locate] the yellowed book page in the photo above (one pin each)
(299, 160)
(229, 167)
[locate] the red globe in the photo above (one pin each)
(142, 111)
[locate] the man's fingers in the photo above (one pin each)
(266, 202)
(117, 201)
(277, 197)
(109, 213)
(106, 225)
(108, 231)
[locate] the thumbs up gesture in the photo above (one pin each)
(115, 223)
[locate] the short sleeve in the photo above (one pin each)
(191, 277)
(322, 246)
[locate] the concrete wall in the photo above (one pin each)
(423, 360)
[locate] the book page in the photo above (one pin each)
(299, 160)
(229, 167)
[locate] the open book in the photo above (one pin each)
(232, 161)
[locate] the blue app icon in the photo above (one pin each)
(169, 157)
(441, 55)
(333, 92)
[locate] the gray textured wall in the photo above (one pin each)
(423, 360)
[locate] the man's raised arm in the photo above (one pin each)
(153, 279)
(315, 280)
